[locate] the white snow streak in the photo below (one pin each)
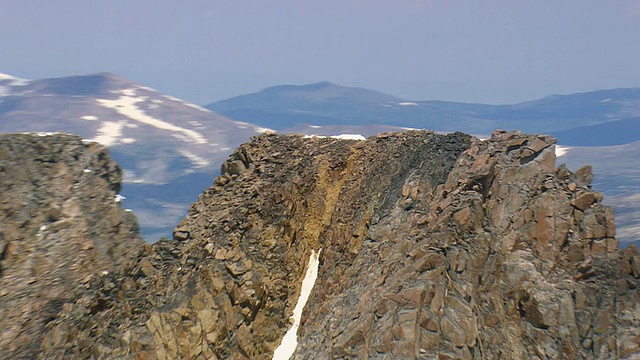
(407, 103)
(195, 159)
(562, 150)
(109, 133)
(126, 105)
(89, 117)
(341, 137)
(290, 340)
(349, 137)
(147, 88)
(259, 129)
(15, 81)
(242, 125)
(128, 92)
(198, 107)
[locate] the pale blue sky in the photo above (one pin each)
(493, 51)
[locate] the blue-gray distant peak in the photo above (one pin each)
(325, 103)
(81, 85)
(306, 87)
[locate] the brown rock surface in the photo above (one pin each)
(433, 247)
(60, 227)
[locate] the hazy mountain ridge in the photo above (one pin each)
(331, 104)
(616, 132)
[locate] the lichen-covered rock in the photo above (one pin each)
(60, 227)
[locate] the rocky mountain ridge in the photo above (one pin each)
(61, 226)
(431, 246)
(581, 121)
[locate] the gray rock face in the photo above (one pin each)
(60, 227)
(433, 247)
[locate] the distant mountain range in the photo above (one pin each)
(170, 149)
(321, 104)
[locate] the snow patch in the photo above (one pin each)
(14, 81)
(89, 117)
(128, 140)
(86, 171)
(349, 137)
(172, 98)
(289, 342)
(605, 100)
(198, 107)
(126, 105)
(109, 133)
(562, 150)
(128, 92)
(261, 130)
(407, 103)
(4, 76)
(315, 126)
(119, 198)
(341, 137)
(195, 159)
(242, 125)
(43, 134)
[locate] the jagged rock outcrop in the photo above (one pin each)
(60, 228)
(433, 246)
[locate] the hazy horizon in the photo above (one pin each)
(495, 52)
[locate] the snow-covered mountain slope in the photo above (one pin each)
(170, 149)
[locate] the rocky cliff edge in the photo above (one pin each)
(432, 246)
(61, 227)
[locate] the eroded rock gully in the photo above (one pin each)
(433, 246)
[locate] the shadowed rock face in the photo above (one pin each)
(433, 246)
(60, 227)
